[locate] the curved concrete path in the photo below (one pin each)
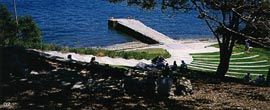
(179, 50)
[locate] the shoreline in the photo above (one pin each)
(185, 40)
(140, 45)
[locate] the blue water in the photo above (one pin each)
(83, 23)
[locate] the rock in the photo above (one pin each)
(23, 79)
(128, 73)
(164, 86)
(183, 87)
(84, 72)
(141, 65)
(65, 83)
(34, 73)
(78, 85)
(150, 86)
(132, 86)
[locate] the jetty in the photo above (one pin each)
(139, 31)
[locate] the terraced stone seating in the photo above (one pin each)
(240, 64)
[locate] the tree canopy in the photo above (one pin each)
(10, 34)
(7, 26)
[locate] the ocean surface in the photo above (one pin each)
(83, 23)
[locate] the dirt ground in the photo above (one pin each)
(53, 85)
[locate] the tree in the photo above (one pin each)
(27, 31)
(15, 12)
(7, 27)
(237, 18)
(229, 20)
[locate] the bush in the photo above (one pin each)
(28, 30)
(7, 27)
(26, 33)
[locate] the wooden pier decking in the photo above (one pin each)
(139, 31)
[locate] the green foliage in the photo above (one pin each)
(28, 30)
(26, 33)
(7, 27)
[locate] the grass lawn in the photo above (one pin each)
(257, 61)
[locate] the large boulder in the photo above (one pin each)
(133, 86)
(183, 86)
(164, 86)
(152, 85)
(142, 65)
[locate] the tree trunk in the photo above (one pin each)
(224, 62)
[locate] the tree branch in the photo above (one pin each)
(206, 16)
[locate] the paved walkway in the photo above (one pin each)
(179, 50)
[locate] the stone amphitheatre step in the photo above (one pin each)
(213, 70)
(217, 59)
(254, 62)
(217, 55)
(239, 73)
(236, 63)
(231, 69)
(231, 76)
(243, 69)
(233, 66)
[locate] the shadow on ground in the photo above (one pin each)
(29, 81)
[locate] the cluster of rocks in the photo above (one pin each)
(260, 80)
(183, 86)
(153, 86)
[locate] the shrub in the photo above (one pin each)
(26, 33)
